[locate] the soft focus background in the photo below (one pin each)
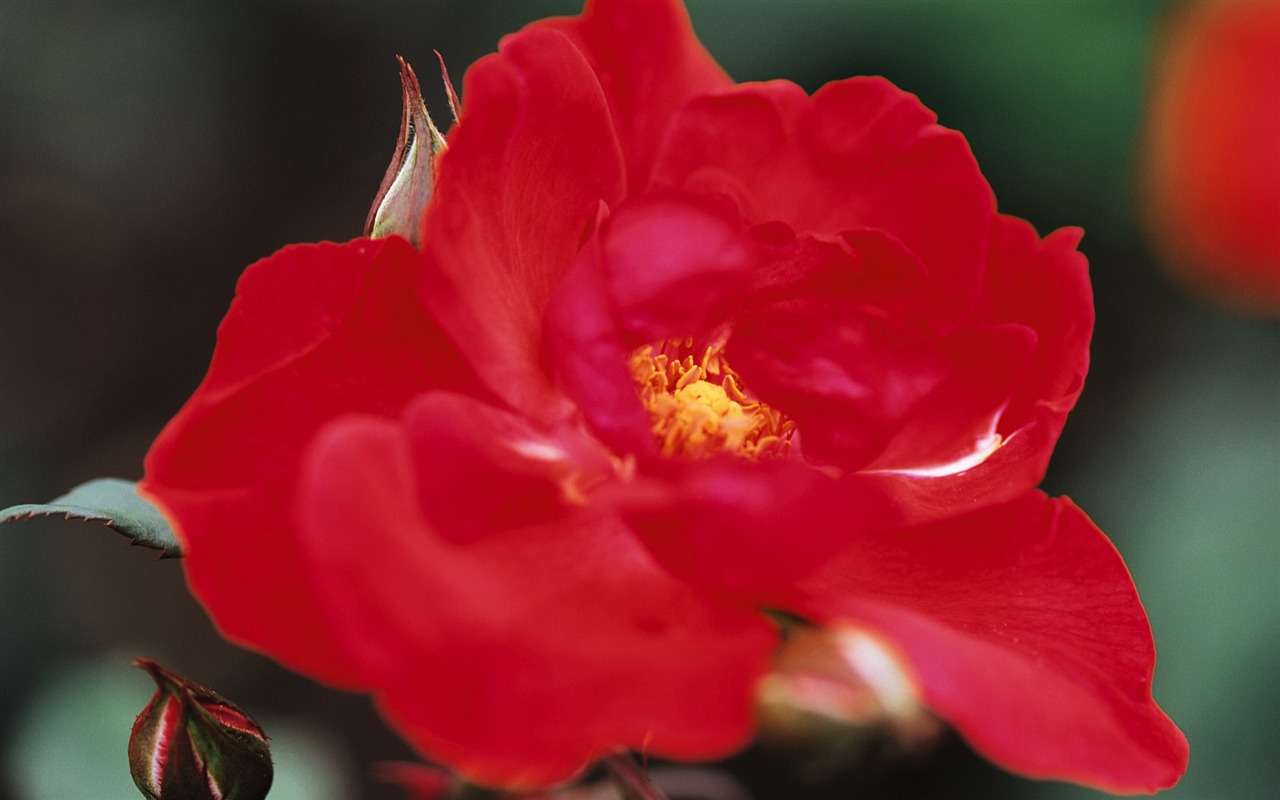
(149, 151)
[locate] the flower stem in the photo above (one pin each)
(631, 778)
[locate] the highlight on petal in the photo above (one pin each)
(1043, 284)
(520, 657)
(1023, 630)
(956, 427)
(826, 339)
(649, 63)
(315, 331)
(1019, 368)
(528, 165)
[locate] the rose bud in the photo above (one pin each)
(839, 695)
(190, 743)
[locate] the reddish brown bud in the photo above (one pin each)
(191, 743)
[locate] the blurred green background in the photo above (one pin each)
(149, 151)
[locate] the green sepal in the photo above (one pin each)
(113, 502)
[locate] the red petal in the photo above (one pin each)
(650, 64)
(525, 475)
(521, 657)
(859, 154)
(586, 351)
(527, 167)
(827, 344)
(1041, 285)
(663, 266)
(675, 264)
(955, 427)
(1022, 628)
(750, 529)
(316, 331)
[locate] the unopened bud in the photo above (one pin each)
(190, 743)
(839, 695)
(406, 188)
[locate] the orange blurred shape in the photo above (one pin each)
(1212, 149)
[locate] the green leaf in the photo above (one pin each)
(113, 502)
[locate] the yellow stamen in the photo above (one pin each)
(699, 407)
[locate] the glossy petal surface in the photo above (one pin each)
(649, 63)
(1022, 628)
(316, 331)
(528, 165)
(520, 657)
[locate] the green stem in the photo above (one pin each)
(631, 779)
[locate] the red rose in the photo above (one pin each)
(1212, 150)
(674, 351)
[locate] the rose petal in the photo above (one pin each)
(955, 427)
(649, 62)
(523, 656)
(315, 331)
(675, 264)
(665, 266)
(589, 358)
(746, 528)
(827, 340)
(860, 153)
(1023, 629)
(1041, 285)
(529, 473)
(526, 170)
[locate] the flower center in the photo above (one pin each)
(700, 408)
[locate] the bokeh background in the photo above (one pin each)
(151, 150)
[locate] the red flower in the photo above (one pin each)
(674, 351)
(1212, 150)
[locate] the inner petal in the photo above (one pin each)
(699, 406)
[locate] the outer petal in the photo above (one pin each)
(650, 64)
(527, 167)
(860, 153)
(1022, 628)
(519, 658)
(316, 331)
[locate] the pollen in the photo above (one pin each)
(700, 408)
